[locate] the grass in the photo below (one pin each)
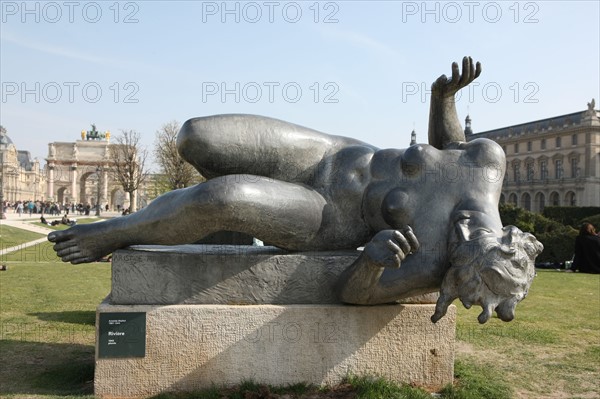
(12, 236)
(551, 349)
(47, 316)
(552, 345)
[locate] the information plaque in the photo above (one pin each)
(122, 335)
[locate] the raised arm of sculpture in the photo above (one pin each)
(444, 126)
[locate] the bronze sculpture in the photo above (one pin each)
(427, 216)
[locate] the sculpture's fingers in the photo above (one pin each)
(466, 69)
(402, 242)
(455, 73)
(411, 238)
(477, 70)
(471, 70)
(396, 250)
(397, 260)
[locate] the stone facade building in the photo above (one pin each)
(550, 162)
(21, 178)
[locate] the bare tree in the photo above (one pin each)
(129, 160)
(174, 171)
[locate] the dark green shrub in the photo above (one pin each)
(558, 239)
(570, 215)
(595, 220)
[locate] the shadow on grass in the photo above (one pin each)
(37, 368)
(84, 317)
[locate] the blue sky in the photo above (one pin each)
(354, 68)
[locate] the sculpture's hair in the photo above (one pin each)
(490, 271)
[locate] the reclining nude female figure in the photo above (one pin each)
(427, 216)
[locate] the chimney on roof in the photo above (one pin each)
(468, 130)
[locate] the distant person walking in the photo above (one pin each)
(20, 208)
(587, 250)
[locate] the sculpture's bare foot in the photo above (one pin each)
(82, 243)
(444, 87)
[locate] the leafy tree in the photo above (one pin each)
(175, 172)
(129, 160)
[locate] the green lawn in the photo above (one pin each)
(47, 316)
(12, 236)
(552, 346)
(551, 349)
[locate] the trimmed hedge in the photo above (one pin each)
(570, 215)
(558, 239)
(595, 220)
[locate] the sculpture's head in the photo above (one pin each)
(490, 270)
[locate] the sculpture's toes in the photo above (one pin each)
(59, 236)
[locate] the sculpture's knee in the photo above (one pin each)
(191, 140)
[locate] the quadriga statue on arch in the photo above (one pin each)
(427, 216)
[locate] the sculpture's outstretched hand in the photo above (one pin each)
(444, 87)
(389, 248)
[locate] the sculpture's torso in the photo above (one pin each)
(421, 187)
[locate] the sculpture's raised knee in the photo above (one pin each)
(196, 144)
(190, 139)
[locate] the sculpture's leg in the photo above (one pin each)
(231, 144)
(284, 214)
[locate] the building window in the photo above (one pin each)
(555, 199)
(526, 201)
(574, 139)
(571, 200)
(543, 170)
(530, 172)
(543, 144)
(574, 167)
(516, 172)
(529, 146)
(516, 148)
(558, 142)
(541, 201)
(558, 169)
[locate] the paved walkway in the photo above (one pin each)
(26, 222)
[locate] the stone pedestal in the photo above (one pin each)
(193, 346)
(229, 275)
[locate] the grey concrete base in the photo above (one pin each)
(190, 347)
(229, 275)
